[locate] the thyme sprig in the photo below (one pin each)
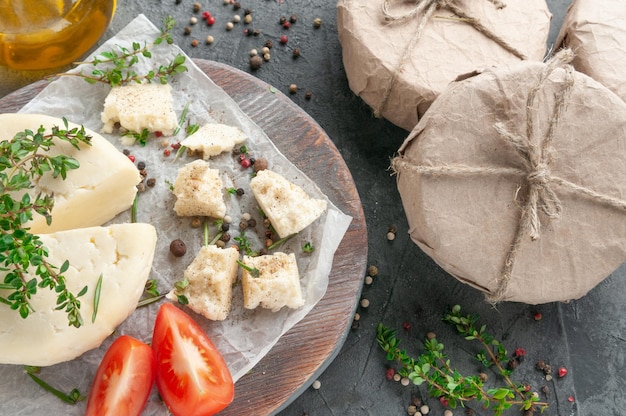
(433, 367)
(23, 160)
(116, 67)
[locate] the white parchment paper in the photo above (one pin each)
(246, 336)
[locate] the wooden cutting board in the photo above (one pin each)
(305, 350)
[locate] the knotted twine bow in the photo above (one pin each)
(424, 10)
(536, 156)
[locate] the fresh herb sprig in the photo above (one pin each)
(433, 367)
(23, 160)
(116, 67)
(73, 397)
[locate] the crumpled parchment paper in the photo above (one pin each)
(596, 31)
(246, 336)
(373, 49)
(468, 222)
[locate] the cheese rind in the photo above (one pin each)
(213, 139)
(121, 253)
(210, 278)
(104, 185)
(286, 205)
(276, 286)
(198, 191)
(140, 106)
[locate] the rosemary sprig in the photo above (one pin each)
(23, 160)
(96, 298)
(434, 368)
(72, 397)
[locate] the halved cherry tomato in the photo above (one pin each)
(123, 380)
(191, 374)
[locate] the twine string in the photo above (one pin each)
(535, 153)
(423, 11)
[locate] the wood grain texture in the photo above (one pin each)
(309, 346)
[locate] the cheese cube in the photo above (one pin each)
(277, 283)
(121, 253)
(140, 106)
(213, 139)
(104, 185)
(198, 191)
(210, 280)
(286, 205)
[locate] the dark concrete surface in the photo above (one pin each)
(587, 336)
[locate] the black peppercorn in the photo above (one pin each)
(296, 52)
(293, 18)
(178, 248)
(141, 165)
(151, 182)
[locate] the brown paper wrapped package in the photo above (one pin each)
(596, 31)
(398, 68)
(486, 149)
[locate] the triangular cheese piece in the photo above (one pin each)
(121, 253)
(104, 185)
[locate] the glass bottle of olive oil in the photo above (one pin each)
(43, 34)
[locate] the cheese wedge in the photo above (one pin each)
(211, 276)
(286, 205)
(121, 253)
(277, 283)
(213, 139)
(103, 186)
(140, 106)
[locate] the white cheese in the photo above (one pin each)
(103, 186)
(198, 191)
(286, 205)
(121, 253)
(140, 106)
(213, 139)
(210, 280)
(277, 285)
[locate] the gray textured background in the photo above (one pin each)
(586, 336)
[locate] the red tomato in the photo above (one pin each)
(191, 374)
(123, 380)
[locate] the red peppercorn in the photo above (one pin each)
(406, 326)
(571, 399)
(132, 158)
(520, 352)
(206, 15)
(284, 39)
(527, 387)
(562, 371)
(286, 25)
(158, 133)
(390, 373)
(166, 152)
(537, 316)
(444, 401)
(176, 145)
(210, 20)
(245, 163)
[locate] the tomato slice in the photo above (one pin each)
(124, 379)
(191, 374)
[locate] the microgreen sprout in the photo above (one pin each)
(433, 368)
(23, 160)
(254, 272)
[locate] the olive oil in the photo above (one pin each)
(43, 34)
